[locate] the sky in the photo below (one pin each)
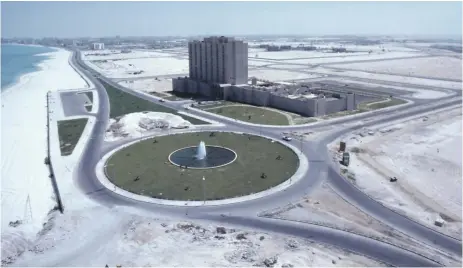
(105, 19)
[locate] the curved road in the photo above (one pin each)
(245, 214)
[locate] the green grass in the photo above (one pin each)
(219, 103)
(149, 161)
(158, 94)
(184, 95)
(69, 132)
(390, 102)
(342, 113)
(122, 103)
(88, 108)
(297, 118)
(251, 114)
(368, 106)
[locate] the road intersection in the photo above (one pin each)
(321, 169)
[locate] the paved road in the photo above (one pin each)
(74, 103)
(244, 213)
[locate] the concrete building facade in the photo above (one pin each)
(317, 106)
(98, 46)
(219, 60)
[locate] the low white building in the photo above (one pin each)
(98, 46)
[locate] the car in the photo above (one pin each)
(286, 138)
(161, 100)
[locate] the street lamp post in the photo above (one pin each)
(301, 142)
(204, 190)
(106, 167)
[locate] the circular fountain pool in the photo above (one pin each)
(202, 156)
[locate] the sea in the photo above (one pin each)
(18, 60)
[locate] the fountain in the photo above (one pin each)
(202, 156)
(201, 151)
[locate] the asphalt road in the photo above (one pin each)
(74, 103)
(244, 213)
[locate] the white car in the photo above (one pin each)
(286, 138)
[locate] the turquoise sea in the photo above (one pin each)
(18, 60)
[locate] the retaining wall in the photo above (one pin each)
(50, 162)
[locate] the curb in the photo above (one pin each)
(297, 176)
(333, 120)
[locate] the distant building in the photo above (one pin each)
(339, 49)
(278, 48)
(98, 46)
(220, 60)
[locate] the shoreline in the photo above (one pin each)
(25, 184)
(30, 45)
(38, 66)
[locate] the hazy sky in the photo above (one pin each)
(97, 19)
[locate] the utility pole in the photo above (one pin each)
(204, 190)
(28, 209)
(301, 142)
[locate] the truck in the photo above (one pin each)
(345, 159)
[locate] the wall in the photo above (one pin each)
(350, 102)
(54, 183)
(334, 106)
(320, 107)
(304, 107)
(248, 95)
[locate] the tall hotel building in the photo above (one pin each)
(219, 60)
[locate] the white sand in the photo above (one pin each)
(419, 93)
(149, 84)
(116, 54)
(326, 43)
(429, 158)
(390, 78)
(258, 63)
(418, 44)
(149, 66)
(24, 145)
(344, 57)
(121, 238)
(392, 47)
(136, 124)
(296, 54)
(432, 67)
(429, 180)
(279, 75)
(288, 66)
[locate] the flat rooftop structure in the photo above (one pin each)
(300, 91)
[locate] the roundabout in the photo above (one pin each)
(109, 190)
(201, 167)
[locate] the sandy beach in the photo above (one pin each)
(26, 189)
